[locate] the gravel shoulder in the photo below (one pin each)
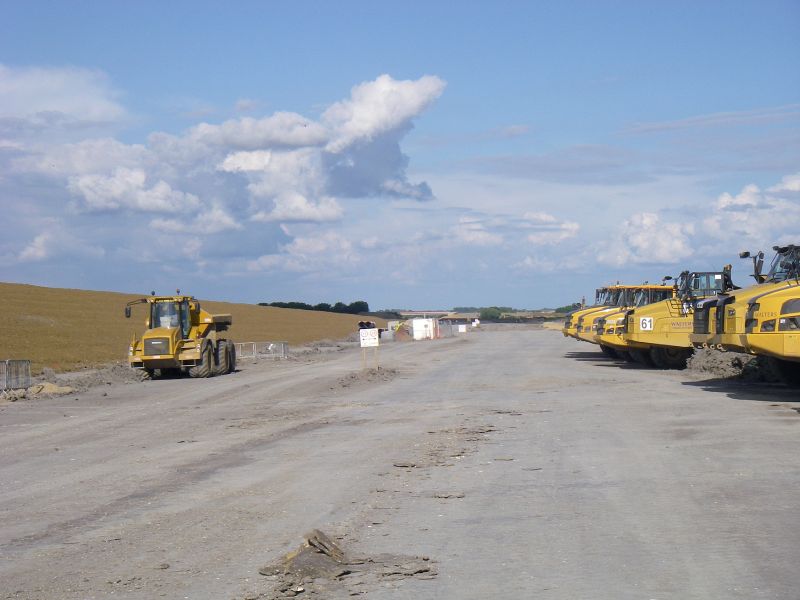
(510, 462)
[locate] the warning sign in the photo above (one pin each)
(369, 338)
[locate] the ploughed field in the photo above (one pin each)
(66, 329)
(508, 463)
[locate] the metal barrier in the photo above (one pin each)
(256, 350)
(15, 374)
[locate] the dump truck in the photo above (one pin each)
(603, 298)
(763, 319)
(610, 327)
(181, 337)
(660, 334)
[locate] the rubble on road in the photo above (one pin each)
(320, 567)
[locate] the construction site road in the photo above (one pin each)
(512, 463)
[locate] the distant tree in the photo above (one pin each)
(323, 306)
(568, 307)
(358, 307)
(491, 313)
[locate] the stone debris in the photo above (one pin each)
(321, 568)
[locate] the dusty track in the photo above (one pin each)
(523, 464)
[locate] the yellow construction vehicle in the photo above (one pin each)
(624, 299)
(659, 334)
(181, 337)
(610, 327)
(763, 319)
(603, 298)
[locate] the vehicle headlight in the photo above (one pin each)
(787, 324)
(768, 325)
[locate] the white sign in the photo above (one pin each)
(646, 323)
(369, 338)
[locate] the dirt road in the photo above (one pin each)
(513, 464)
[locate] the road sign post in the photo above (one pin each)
(369, 339)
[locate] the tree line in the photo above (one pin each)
(354, 308)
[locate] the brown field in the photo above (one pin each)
(68, 329)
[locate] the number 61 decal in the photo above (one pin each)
(646, 323)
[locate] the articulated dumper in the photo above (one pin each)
(603, 299)
(763, 319)
(609, 328)
(659, 334)
(181, 337)
(628, 294)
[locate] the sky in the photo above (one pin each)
(414, 155)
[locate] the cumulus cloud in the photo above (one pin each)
(292, 206)
(379, 106)
(213, 220)
(646, 238)
(282, 129)
(755, 217)
(42, 98)
(329, 250)
(127, 189)
(56, 241)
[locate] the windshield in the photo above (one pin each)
(603, 297)
(701, 284)
(785, 265)
(165, 314)
(648, 296)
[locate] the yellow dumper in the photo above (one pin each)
(181, 337)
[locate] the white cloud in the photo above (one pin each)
(33, 98)
(548, 229)
(84, 157)
(645, 238)
(472, 232)
(292, 206)
(55, 242)
(282, 129)
(326, 253)
(379, 106)
(789, 183)
(212, 220)
(127, 189)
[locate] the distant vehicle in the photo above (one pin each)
(181, 337)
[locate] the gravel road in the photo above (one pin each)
(506, 464)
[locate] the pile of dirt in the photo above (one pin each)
(374, 375)
(84, 380)
(731, 365)
(320, 568)
(45, 389)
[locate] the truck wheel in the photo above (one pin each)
(206, 362)
(221, 361)
(670, 358)
(609, 351)
(625, 355)
(786, 371)
(231, 357)
(642, 357)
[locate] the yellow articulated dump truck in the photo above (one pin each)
(659, 334)
(763, 319)
(609, 329)
(603, 299)
(624, 299)
(181, 337)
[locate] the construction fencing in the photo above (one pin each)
(257, 350)
(15, 374)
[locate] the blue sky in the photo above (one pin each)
(417, 155)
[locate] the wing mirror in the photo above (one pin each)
(127, 312)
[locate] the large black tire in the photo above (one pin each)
(786, 371)
(206, 362)
(625, 355)
(231, 356)
(609, 351)
(670, 358)
(221, 364)
(642, 357)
